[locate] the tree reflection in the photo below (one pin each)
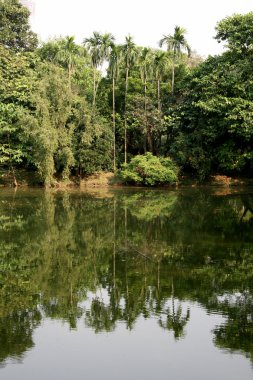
(131, 254)
(175, 321)
(236, 334)
(101, 317)
(16, 333)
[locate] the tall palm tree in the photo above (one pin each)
(114, 70)
(108, 53)
(107, 43)
(99, 46)
(176, 44)
(93, 45)
(160, 65)
(129, 56)
(68, 55)
(145, 71)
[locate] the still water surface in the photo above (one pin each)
(126, 285)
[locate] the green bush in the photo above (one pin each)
(149, 170)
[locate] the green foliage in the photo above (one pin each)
(212, 127)
(144, 128)
(50, 119)
(94, 150)
(67, 54)
(17, 83)
(15, 30)
(61, 115)
(149, 170)
(16, 77)
(82, 139)
(149, 207)
(50, 129)
(46, 124)
(237, 32)
(11, 148)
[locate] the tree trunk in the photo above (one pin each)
(158, 275)
(11, 168)
(146, 118)
(114, 124)
(173, 299)
(150, 139)
(15, 183)
(125, 121)
(114, 246)
(69, 73)
(173, 76)
(159, 106)
(126, 261)
(94, 89)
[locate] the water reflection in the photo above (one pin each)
(110, 260)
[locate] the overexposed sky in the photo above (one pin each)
(146, 20)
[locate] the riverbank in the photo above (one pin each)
(107, 179)
(23, 178)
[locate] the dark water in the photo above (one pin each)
(126, 285)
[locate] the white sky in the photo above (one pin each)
(147, 21)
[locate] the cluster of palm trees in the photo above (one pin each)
(153, 65)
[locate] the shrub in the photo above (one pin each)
(149, 170)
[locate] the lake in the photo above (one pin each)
(126, 284)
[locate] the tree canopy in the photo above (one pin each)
(15, 32)
(69, 109)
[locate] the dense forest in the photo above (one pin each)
(71, 110)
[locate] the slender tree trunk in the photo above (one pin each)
(146, 118)
(126, 261)
(125, 223)
(71, 294)
(71, 286)
(173, 299)
(159, 106)
(95, 270)
(158, 275)
(114, 124)
(150, 140)
(173, 75)
(11, 168)
(114, 246)
(125, 119)
(94, 89)
(69, 74)
(148, 134)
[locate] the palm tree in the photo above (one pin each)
(145, 71)
(107, 43)
(109, 53)
(93, 45)
(160, 64)
(176, 43)
(114, 70)
(98, 46)
(68, 55)
(129, 56)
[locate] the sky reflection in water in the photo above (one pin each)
(126, 284)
